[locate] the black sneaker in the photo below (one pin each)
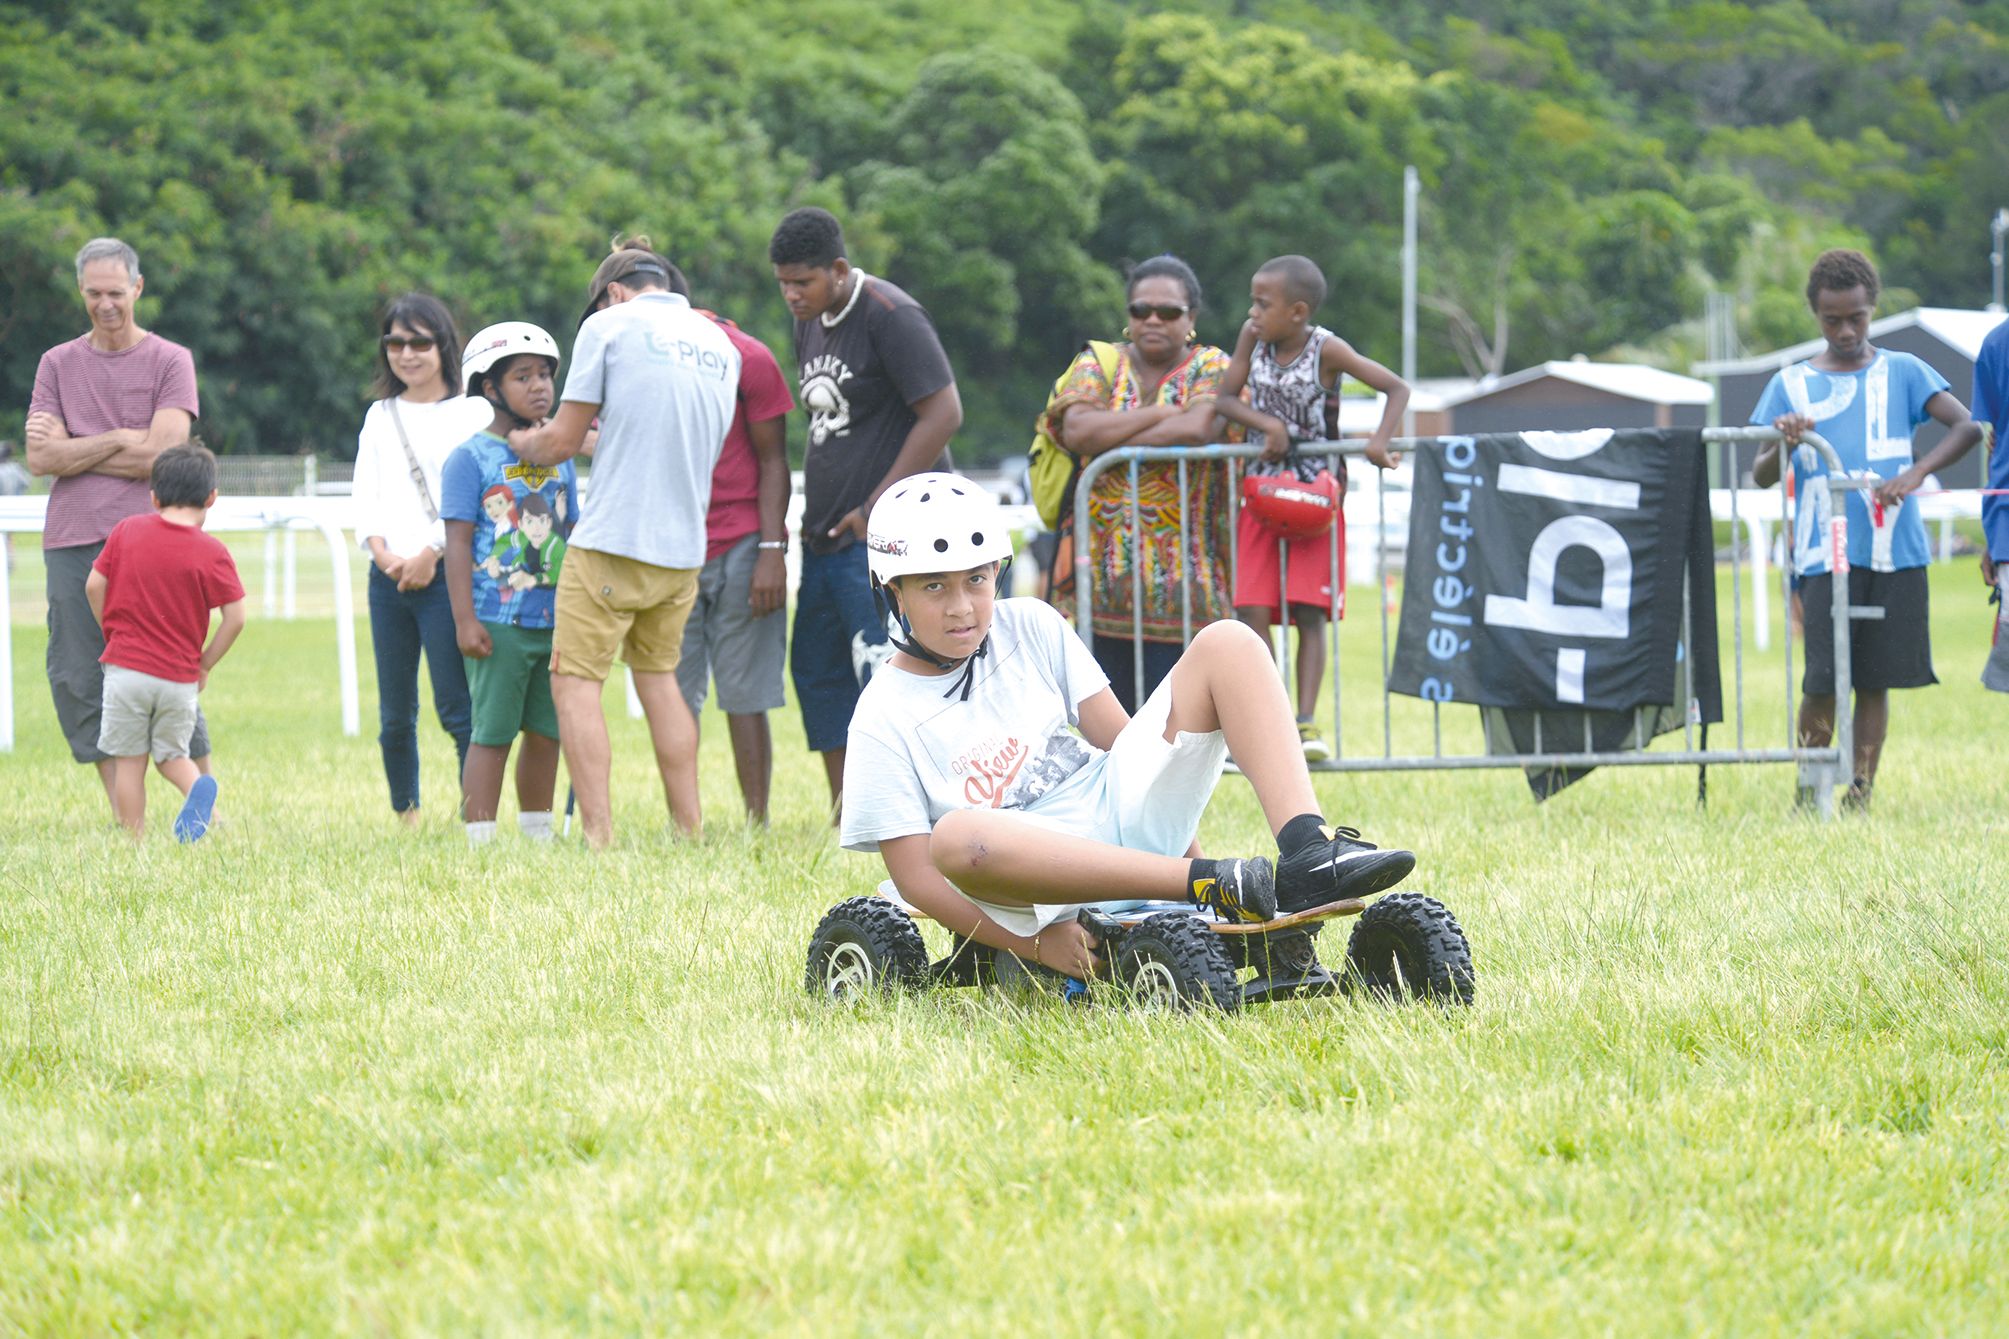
(1339, 867)
(1245, 891)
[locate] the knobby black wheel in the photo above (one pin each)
(1411, 946)
(862, 945)
(1172, 961)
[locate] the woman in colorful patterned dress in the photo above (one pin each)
(1155, 389)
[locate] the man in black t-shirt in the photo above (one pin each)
(882, 405)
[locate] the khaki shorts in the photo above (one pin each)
(607, 603)
(144, 715)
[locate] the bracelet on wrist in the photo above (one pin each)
(772, 544)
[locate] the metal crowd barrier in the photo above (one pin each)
(1822, 770)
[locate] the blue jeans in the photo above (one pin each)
(833, 604)
(402, 623)
(1118, 658)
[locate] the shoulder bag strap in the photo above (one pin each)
(412, 461)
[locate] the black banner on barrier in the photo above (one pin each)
(1545, 572)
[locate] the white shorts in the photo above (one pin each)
(1146, 793)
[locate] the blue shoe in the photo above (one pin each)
(193, 820)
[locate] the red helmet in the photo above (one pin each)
(1293, 509)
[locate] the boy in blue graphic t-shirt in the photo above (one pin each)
(506, 523)
(1866, 402)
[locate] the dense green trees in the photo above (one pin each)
(1590, 170)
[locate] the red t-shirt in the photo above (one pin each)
(161, 581)
(763, 394)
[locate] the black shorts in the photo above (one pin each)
(1894, 651)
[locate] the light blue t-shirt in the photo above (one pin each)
(521, 514)
(1868, 417)
(666, 380)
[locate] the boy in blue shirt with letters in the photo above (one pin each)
(1866, 402)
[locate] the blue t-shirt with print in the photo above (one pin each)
(522, 514)
(1868, 416)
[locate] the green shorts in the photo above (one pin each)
(512, 688)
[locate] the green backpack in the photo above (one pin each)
(1051, 469)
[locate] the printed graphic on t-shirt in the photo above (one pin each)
(1001, 773)
(823, 381)
(522, 514)
(1868, 416)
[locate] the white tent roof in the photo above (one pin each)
(1959, 328)
(1632, 381)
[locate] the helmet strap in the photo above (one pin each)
(887, 601)
(501, 403)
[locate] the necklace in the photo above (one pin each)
(857, 286)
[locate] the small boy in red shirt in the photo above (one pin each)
(152, 589)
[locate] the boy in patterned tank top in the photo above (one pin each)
(1289, 366)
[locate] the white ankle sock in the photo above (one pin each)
(536, 824)
(480, 834)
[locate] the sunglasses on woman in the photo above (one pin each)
(399, 343)
(1167, 312)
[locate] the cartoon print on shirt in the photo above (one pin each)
(535, 551)
(499, 504)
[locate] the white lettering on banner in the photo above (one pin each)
(1448, 593)
(1569, 674)
(1568, 445)
(1838, 547)
(1569, 487)
(1539, 612)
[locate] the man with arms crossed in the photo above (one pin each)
(105, 404)
(663, 381)
(882, 405)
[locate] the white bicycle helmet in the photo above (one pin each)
(934, 523)
(504, 339)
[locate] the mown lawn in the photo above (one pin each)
(1728, 1071)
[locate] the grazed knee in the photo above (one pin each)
(957, 845)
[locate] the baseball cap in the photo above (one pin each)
(619, 265)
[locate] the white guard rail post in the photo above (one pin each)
(327, 515)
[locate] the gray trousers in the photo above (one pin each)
(76, 679)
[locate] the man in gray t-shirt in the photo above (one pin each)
(662, 380)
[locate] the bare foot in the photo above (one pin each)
(411, 817)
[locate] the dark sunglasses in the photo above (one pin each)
(398, 343)
(1166, 312)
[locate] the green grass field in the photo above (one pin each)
(1729, 1071)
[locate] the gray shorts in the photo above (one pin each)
(76, 679)
(725, 642)
(1995, 670)
(143, 714)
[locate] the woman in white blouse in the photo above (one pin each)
(420, 416)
